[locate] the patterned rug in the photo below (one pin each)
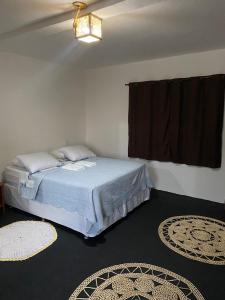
(195, 237)
(24, 239)
(136, 281)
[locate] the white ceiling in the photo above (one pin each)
(154, 28)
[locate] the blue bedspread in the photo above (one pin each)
(93, 192)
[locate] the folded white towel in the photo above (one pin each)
(73, 167)
(84, 163)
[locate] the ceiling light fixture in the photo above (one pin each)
(87, 28)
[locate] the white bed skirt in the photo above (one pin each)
(70, 219)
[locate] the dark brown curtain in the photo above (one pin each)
(178, 120)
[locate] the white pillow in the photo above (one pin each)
(76, 152)
(57, 154)
(17, 163)
(37, 161)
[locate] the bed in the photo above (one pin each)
(87, 199)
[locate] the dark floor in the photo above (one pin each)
(56, 272)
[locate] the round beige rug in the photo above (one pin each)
(136, 281)
(24, 239)
(195, 237)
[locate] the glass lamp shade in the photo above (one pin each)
(88, 28)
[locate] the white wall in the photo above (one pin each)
(107, 118)
(41, 106)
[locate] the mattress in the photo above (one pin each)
(71, 220)
(88, 201)
(93, 192)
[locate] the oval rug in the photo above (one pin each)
(136, 281)
(24, 239)
(195, 237)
